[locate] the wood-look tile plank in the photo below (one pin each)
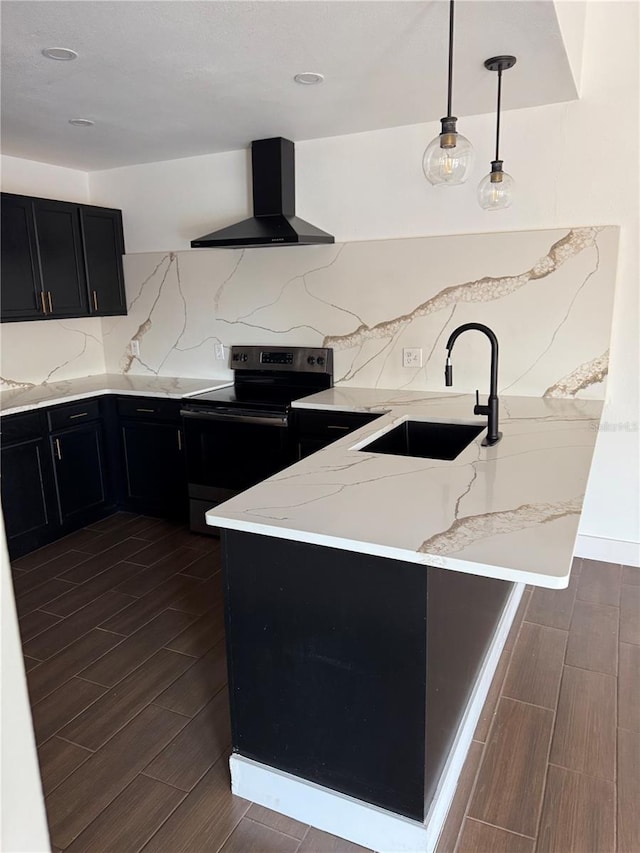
(177, 592)
(491, 702)
(593, 637)
(553, 607)
(41, 595)
(52, 569)
(630, 614)
(29, 663)
(455, 816)
(61, 706)
(81, 594)
(44, 679)
(205, 566)
(316, 841)
(104, 718)
(56, 638)
(631, 575)
(481, 838)
(97, 563)
(536, 665)
(58, 759)
(130, 820)
(510, 782)
(517, 620)
(197, 748)
(35, 623)
(78, 800)
(146, 581)
(629, 687)
(252, 837)
(191, 692)
(578, 814)
(205, 818)
(137, 648)
(600, 582)
(202, 635)
(73, 542)
(277, 821)
(585, 732)
(112, 522)
(628, 792)
(163, 547)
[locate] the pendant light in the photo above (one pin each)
(448, 158)
(495, 190)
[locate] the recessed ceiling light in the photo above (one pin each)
(81, 122)
(309, 78)
(61, 53)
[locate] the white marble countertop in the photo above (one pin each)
(510, 511)
(28, 397)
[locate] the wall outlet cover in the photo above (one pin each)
(412, 357)
(134, 347)
(219, 349)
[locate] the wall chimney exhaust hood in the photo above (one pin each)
(274, 221)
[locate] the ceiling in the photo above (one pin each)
(164, 80)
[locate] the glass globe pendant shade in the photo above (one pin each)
(495, 190)
(448, 159)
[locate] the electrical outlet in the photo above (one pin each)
(412, 357)
(134, 347)
(219, 350)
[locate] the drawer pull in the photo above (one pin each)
(151, 411)
(58, 450)
(179, 440)
(335, 426)
(79, 415)
(50, 301)
(44, 304)
(95, 300)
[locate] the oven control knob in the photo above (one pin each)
(320, 360)
(244, 356)
(311, 360)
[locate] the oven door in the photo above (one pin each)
(227, 452)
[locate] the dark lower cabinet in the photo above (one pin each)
(28, 491)
(80, 475)
(154, 468)
(316, 429)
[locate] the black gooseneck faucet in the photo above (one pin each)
(491, 409)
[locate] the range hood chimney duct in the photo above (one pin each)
(274, 221)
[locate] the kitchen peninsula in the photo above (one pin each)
(369, 596)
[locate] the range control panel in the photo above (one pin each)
(290, 359)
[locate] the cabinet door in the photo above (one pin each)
(61, 262)
(21, 289)
(103, 246)
(28, 497)
(155, 469)
(79, 472)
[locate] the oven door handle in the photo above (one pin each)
(262, 420)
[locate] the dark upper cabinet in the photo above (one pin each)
(60, 259)
(22, 294)
(103, 246)
(61, 262)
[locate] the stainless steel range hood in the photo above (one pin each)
(274, 221)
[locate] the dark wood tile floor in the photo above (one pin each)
(123, 635)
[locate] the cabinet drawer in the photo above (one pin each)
(21, 427)
(72, 414)
(331, 425)
(149, 408)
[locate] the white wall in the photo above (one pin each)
(575, 164)
(28, 177)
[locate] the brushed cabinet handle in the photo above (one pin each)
(80, 415)
(95, 300)
(50, 302)
(58, 450)
(44, 304)
(335, 426)
(146, 410)
(179, 440)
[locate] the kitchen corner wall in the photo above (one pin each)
(548, 295)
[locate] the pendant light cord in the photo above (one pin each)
(498, 113)
(450, 90)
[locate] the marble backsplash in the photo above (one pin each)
(548, 295)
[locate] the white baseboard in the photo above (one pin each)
(361, 822)
(608, 550)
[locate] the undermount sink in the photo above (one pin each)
(429, 440)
